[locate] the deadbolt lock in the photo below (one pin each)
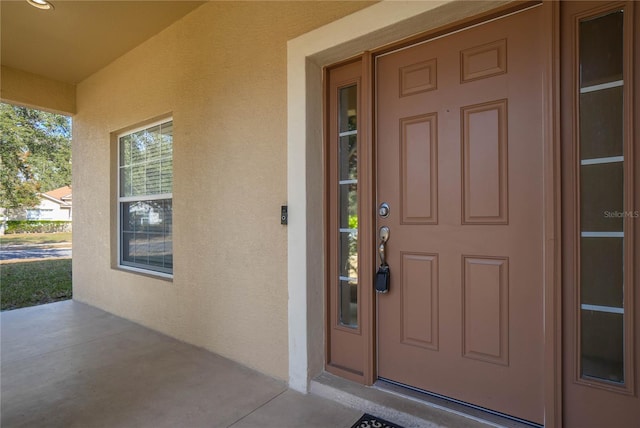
(383, 210)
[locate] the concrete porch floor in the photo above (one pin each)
(68, 364)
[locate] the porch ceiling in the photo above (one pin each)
(78, 38)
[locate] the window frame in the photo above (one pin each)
(629, 308)
(120, 200)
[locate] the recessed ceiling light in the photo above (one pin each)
(41, 4)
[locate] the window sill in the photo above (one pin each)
(148, 273)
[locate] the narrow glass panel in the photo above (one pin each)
(349, 303)
(348, 155)
(601, 272)
(601, 49)
(153, 176)
(153, 144)
(141, 248)
(167, 222)
(602, 346)
(125, 181)
(601, 197)
(348, 104)
(166, 185)
(138, 180)
(348, 206)
(601, 112)
(128, 246)
(349, 255)
(167, 139)
(138, 147)
(167, 128)
(601, 129)
(156, 246)
(125, 150)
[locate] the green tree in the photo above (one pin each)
(35, 154)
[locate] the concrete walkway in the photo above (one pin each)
(67, 364)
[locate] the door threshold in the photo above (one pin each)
(408, 407)
(453, 405)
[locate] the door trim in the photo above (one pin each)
(346, 38)
(552, 221)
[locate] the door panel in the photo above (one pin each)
(459, 137)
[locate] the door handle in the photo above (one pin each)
(382, 280)
(384, 237)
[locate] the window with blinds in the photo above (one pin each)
(145, 198)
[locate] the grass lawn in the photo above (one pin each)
(34, 238)
(34, 283)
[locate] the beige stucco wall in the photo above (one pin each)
(222, 72)
(31, 90)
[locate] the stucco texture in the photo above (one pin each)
(221, 73)
(30, 90)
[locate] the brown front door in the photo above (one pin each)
(459, 137)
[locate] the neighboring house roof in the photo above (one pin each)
(60, 195)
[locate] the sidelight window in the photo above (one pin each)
(345, 150)
(603, 217)
(145, 199)
(348, 205)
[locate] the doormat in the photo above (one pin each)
(370, 421)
